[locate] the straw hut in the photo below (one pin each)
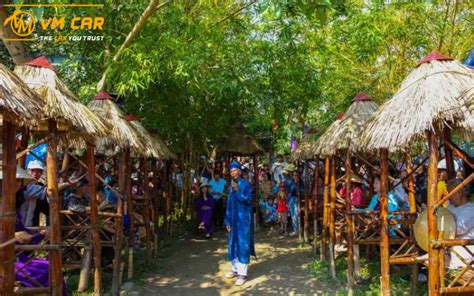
(325, 139)
(18, 103)
(60, 103)
(155, 147)
(303, 152)
(429, 98)
(349, 129)
(121, 133)
(239, 143)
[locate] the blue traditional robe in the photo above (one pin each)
(239, 216)
(290, 186)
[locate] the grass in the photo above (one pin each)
(370, 273)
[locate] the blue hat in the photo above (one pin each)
(234, 165)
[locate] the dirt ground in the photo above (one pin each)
(196, 266)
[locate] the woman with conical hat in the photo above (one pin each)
(239, 224)
(205, 207)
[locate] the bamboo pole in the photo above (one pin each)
(7, 213)
(306, 203)
(433, 253)
(146, 195)
(24, 145)
(94, 221)
(255, 168)
(315, 204)
(156, 206)
(298, 200)
(324, 240)
(131, 216)
(350, 227)
(411, 184)
(55, 265)
(384, 242)
(117, 263)
(448, 152)
(332, 218)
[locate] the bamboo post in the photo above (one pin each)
(324, 240)
(156, 221)
(55, 265)
(94, 220)
(7, 213)
(332, 220)
(433, 253)
(165, 197)
(350, 227)
(411, 184)
(117, 263)
(146, 196)
(298, 200)
(384, 242)
(24, 145)
(315, 204)
(255, 168)
(307, 198)
(85, 268)
(448, 152)
(131, 216)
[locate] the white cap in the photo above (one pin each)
(35, 165)
(20, 174)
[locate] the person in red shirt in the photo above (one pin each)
(282, 208)
(357, 194)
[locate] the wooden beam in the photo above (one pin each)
(349, 225)
(384, 241)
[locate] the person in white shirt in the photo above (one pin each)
(463, 212)
(278, 167)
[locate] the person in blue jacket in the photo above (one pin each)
(239, 224)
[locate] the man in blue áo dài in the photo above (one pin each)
(239, 224)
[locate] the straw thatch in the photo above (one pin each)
(304, 150)
(121, 133)
(348, 132)
(430, 98)
(240, 143)
(18, 103)
(317, 149)
(155, 148)
(60, 103)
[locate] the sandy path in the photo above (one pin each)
(197, 267)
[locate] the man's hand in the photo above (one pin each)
(227, 227)
(234, 185)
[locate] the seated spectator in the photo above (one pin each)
(462, 209)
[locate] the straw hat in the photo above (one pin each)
(356, 179)
(290, 168)
(204, 184)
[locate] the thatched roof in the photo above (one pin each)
(428, 99)
(317, 149)
(121, 133)
(18, 103)
(241, 144)
(348, 132)
(59, 102)
(155, 147)
(303, 151)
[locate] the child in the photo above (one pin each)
(269, 211)
(282, 208)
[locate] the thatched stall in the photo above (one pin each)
(19, 105)
(128, 140)
(429, 105)
(345, 140)
(67, 119)
(239, 143)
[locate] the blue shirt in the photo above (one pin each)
(217, 186)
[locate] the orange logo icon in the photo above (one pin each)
(22, 23)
